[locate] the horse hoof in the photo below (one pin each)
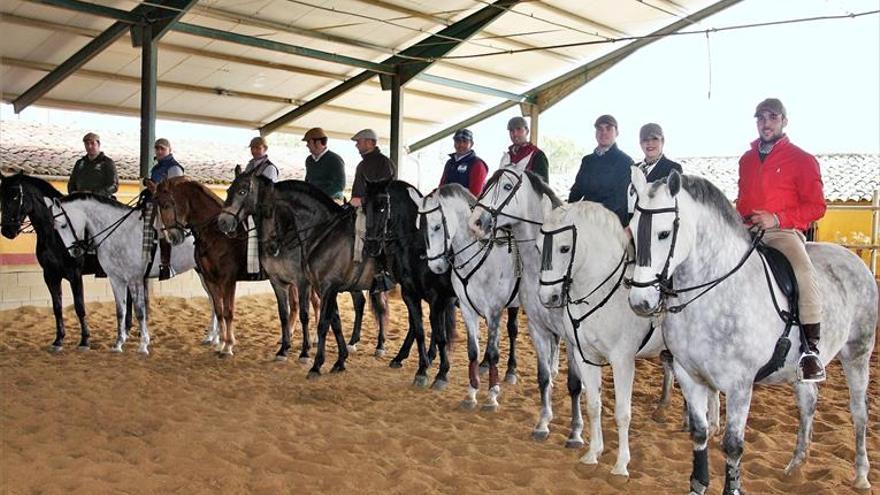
(313, 375)
(144, 351)
(337, 368)
(589, 458)
(379, 353)
(621, 471)
(862, 483)
(352, 348)
(489, 408)
(510, 378)
(468, 404)
(304, 359)
(55, 349)
(207, 341)
(439, 385)
(116, 349)
(540, 435)
(280, 358)
(420, 381)
(574, 443)
(83, 348)
(395, 364)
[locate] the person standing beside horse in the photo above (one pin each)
(780, 191)
(324, 168)
(523, 155)
(260, 165)
(373, 167)
(604, 176)
(95, 172)
(464, 166)
(166, 167)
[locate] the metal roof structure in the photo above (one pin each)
(408, 68)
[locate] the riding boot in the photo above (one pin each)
(810, 364)
(165, 260)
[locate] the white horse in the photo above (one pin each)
(583, 264)
(688, 230)
(116, 233)
(482, 279)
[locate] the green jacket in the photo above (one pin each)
(96, 176)
(327, 173)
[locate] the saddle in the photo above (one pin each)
(782, 272)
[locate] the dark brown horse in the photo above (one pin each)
(304, 233)
(188, 206)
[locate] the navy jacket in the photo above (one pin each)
(604, 179)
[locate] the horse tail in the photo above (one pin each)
(451, 330)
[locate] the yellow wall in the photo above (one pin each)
(847, 227)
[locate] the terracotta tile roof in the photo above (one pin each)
(51, 149)
(847, 177)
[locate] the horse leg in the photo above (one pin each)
(212, 334)
(339, 365)
(307, 296)
(282, 297)
(591, 377)
(414, 315)
(545, 347)
(137, 290)
(574, 384)
(129, 312)
(624, 373)
(697, 396)
(659, 414)
(493, 321)
(120, 295)
(76, 286)
(512, 332)
(856, 366)
(714, 412)
(53, 283)
(328, 298)
(442, 315)
(472, 323)
(227, 294)
(403, 353)
(807, 395)
(379, 302)
(738, 402)
(359, 301)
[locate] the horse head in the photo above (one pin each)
(557, 243)
(510, 197)
(443, 213)
(174, 214)
(70, 226)
(243, 198)
(661, 239)
(13, 205)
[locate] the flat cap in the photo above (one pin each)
(365, 134)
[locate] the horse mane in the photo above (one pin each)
(301, 187)
(44, 187)
(706, 193)
(537, 183)
(87, 195)
(455, 190)
(595, 213)
(189, 183)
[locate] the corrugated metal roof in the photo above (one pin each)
(207, 80)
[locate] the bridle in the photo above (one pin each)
(81, 245)
(18, 220)
(566, 281)
(499, 210)
(448, 253)
(382, 238)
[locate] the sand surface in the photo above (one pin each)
(184, 421)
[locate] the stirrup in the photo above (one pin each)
(820, 377)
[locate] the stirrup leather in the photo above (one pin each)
(800, 368)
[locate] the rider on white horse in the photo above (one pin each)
(780, 191)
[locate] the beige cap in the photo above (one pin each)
(517, 123)
(314, 133)
(772, 105)
(365, 134)
(92, 137)
(258, 141)
(162, 142)
(650, 130)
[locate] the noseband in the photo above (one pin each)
(499, 211)
(19, 217)
(547, 261)
(662, 281)
(447, 252)
(84, 244)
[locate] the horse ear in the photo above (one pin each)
(49, 202)
(237, 170)
(414, 195)
(674, 183)
(639, 182)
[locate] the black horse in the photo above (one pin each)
(305, 237)
(393, 233)
(22, 196)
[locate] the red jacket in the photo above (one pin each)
(788, 184)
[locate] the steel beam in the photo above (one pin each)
(474, 88)
(149, 61)
(552, 92)
(396, 123)
(462, 29)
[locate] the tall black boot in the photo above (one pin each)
(164, 260)
(810, 364)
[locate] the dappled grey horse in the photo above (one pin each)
(687, 231)
(116, 233)
(484, 277)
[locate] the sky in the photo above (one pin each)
(703, 93)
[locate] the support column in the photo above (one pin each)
(396, 123)
(149, 55)
(534, 112)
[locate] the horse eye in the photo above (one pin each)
(508, 187)
(241, 192)
(564, 249)
(663, 235)
(436, 228)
